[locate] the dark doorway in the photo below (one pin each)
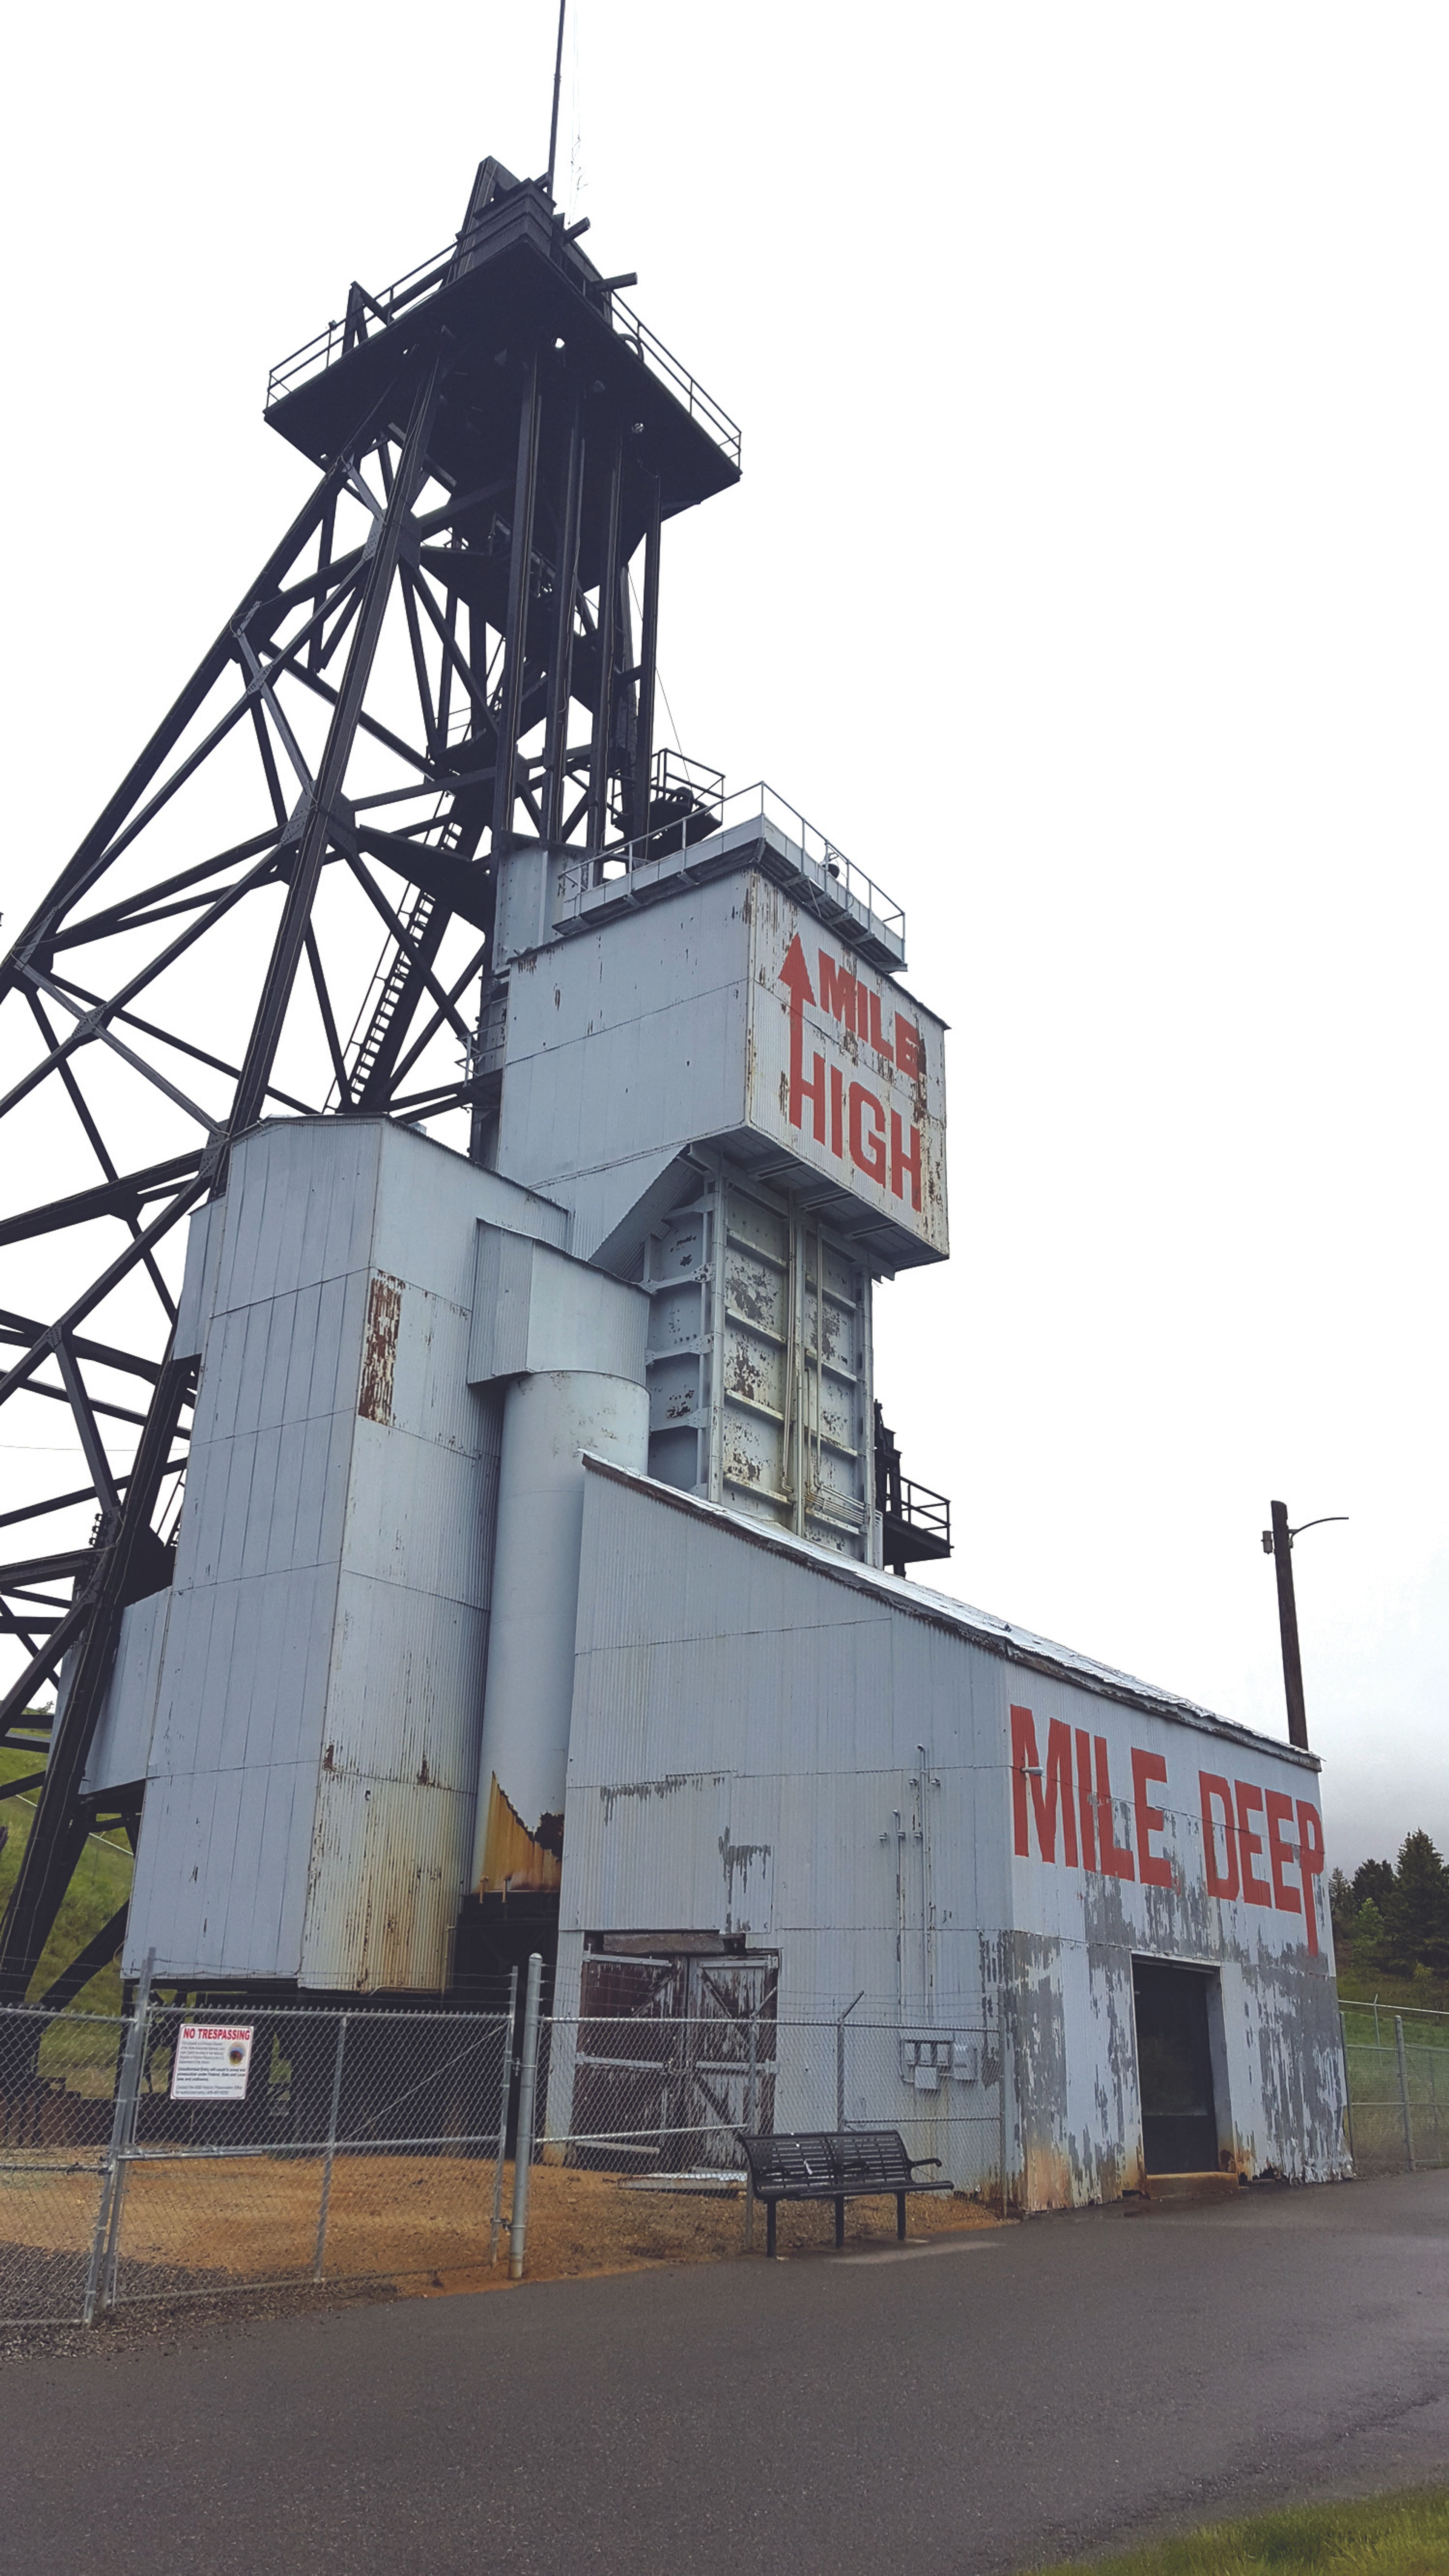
(1174, 2069)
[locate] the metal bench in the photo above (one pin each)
(838, 2165)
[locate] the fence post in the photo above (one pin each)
(747, 2233)
(331, 2147)
(1404, 2089)
(1001, 2106)
(123, 2136)
(523, 2144)
(505, 2088)
(1347, 2083)
(840, 2060)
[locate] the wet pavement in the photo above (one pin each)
(975, 2404)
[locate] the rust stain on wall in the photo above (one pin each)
(379, 1348)
(513, 1858)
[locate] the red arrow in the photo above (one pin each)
(795, 976)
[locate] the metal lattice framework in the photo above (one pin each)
(288, 906)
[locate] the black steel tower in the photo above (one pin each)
(289, 902)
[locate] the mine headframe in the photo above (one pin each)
(289, 902)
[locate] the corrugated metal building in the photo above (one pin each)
(530, 1574)
(901, 1798)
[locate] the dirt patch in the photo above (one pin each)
(422, 2222)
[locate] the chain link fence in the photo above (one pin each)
(663, 2097)
(58, 2086)
(160, 2156)
(163, 2156)
(1398, 2089)
(167, 2155)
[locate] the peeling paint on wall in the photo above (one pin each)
(667, 1786)
(739, 1859)
(379, 1348)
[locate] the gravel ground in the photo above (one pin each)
(173, 2328)
(186, 2227)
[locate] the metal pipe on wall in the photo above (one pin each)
(549, 1419)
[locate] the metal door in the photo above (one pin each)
(725, 2079)
(675, 2053)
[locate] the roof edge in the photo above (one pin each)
(937, 1610)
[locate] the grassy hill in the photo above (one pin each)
(102, 1882)
(1360, 1985)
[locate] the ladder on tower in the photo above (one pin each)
(408, 953)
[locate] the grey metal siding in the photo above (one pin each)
(745, 1756)
(121, 1747)
(313, 1766)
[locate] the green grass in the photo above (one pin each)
(101, 1883)
(1398, 1994)
(1421, 2029)
(1395, 2535)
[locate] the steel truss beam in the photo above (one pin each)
(394, 652)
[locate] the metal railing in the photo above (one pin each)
(693, 835)
(371, 314)
(920, 1511)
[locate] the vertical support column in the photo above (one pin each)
(523, 2144)
(504, 2091)
(648, 669)
(718, 1245)
(794, 1435)
(515, 641)
(1404, 2089)
(1347, 2086)
(445, 674)
(928, 1961)
(331, 2149)
(751, 2115)
(324, 559)
(598, 823)
(102, 2273)
(561, 670)
(841, 2020)
(1001, 2106)
(1281, 1539)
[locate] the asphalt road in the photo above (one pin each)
(979, 2405)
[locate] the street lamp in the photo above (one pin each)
(1278, 1543)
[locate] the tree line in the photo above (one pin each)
(1396, 1918)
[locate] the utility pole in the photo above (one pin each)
(1278, 1543)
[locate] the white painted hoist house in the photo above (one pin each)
(532, 1550)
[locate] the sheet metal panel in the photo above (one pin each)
(671, 1028)
(121, 1746)
(429, 1202)
(847, 1072)
(299, 1208)
(198, 1285)
(738, 1691)
(759, 1362)
(535, 1309)
(320, 1694)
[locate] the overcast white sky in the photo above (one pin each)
(1087, 583)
